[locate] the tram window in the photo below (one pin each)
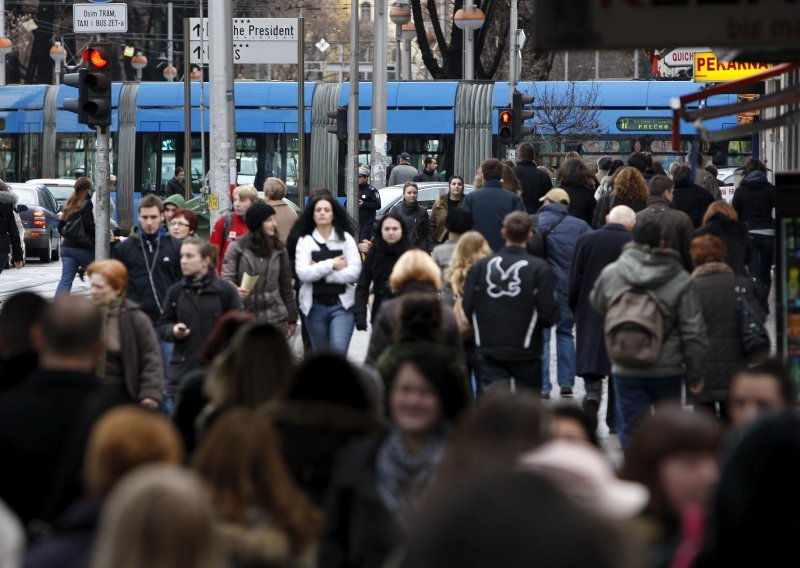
(150, 151)
(2, 123)
(71, 155)
(600, 147)
(168, 154)
(8, 158)
(31, 156)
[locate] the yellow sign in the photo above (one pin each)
(709, 69)
(129, 51)
(213, 202)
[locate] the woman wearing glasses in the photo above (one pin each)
(183, 224)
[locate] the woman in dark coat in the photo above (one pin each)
(77, 251)
(390, 243)
(715, 284)
(593, 252)
(415, 217)
(9, 232)
(722, 221)
(629, 188)
(574, 177)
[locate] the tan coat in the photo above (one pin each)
(285, 217)
(438, 216)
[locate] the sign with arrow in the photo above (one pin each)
(255, 40)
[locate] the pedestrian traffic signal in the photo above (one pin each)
(520, 115)
(98, 86)
(505, 121)
(76, 105)
(339, 126)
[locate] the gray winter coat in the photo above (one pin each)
(686, 339)
(272, 299)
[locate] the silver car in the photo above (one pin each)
(429, 192)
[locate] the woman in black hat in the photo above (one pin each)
(260, 254)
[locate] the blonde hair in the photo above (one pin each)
(246, 192)
(158, 516)
(477, 181)
(471, 247)
(415, 266)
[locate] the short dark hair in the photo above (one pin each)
(518, 226)
(72, 325)
(526, 151)
(178, 169)
(647, 232)
(682, 174)
(659, 185)
(20, 312)
(151, 200)
(775, 369)
(429, 159)
(604, 163)
(492, 169)
(206, 249)
(638, 160)
(582, 418)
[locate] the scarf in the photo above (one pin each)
(197, 284)
(398, 471)
(105, 312)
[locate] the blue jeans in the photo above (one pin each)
(330, 327)
(565, 348)
(71, 260)
(166, 354)
(635, 396)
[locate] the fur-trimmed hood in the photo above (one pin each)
(8, 198)
(262, 546)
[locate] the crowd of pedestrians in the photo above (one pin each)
(200, 409)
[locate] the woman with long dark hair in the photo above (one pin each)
(260, 253)
(328, 265)
(390, 243)
(574, 177)
(453, 198)
(77, 250)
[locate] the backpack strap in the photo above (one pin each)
(552, 227)
(226, 228)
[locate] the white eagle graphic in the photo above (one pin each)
(503, 282)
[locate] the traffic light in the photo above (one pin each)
(339, 126)
(505, 121)
(520, 115)
(98, 86)
(78, 81)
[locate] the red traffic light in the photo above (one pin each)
(95, 57)
(505, 117)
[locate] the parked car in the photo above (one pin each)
(61, 188)
(39, 213)
(429, 192)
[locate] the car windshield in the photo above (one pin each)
(60, 192)
(25, 196)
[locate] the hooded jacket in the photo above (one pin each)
(9, 232)
(561, 242)
(685, 341)
(754, 202)
(677, 229)
(154, 264)
(736, 238)
(510, 297)
(272, 298)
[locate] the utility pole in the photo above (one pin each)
(102, 242)
(301, 111)
(351, 173)
(187, 109)
(512, 54)
(378, 150)
(2, 35)
(170, 47)
(220, 35)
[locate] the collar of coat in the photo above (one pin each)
(710, 268)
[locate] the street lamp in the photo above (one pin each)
(138, 62)
(400, 14)
(469, 19)
(170, 72)
(5, 47)
(58, 54)
(409, 32)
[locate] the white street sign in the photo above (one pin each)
(99, 18)
(681, 57)
(255, 40)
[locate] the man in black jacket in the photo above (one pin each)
(369, 201)
(490, 205)
(510, 298)
(429, 171)
(535, 183)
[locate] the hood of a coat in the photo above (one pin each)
(8, 198)
(648, 268)
(756, 180)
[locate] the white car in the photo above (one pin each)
(60, 188)
(728, 176)
(429, 192)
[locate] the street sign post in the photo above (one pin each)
(99, 18)
(255, 40)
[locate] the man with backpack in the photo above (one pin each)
(560, 233)
(509, 298)
(654, 329)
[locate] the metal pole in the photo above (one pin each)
(2, 34)
(596, 64)
(220, 39)
(102, 226)
(301, 112)
(635, 64)
(352, 117)
(566, 65)
(469, 50)
(512, 53)
(407, 62)
(378, 150)
(170, 47)
(398, 53)
(187, 109)
(341, 63)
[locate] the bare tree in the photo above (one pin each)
(566, 116)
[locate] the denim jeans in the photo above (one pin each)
(565, 348)
(330, 327)
(761, 263)
(71, 260)
(167, 389)
(635, 396)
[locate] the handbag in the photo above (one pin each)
(74, 230)
(755, 339)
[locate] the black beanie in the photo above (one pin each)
(458, 221)
(257, 214)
